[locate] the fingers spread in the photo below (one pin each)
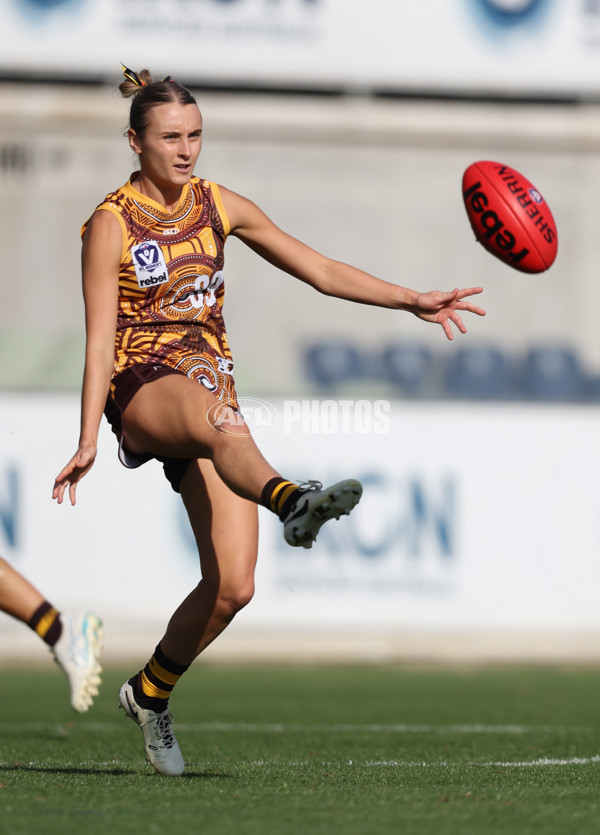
(470, 291)
(472, 308)
(447, 329)
(459, 323)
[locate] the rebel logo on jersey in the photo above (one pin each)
(149, 263)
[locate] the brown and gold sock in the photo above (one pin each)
(153, 685)
(47, 623)
(280, 496)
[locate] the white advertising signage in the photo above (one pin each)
(503, 47)
(472, 519)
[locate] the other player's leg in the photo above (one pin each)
(75, 640)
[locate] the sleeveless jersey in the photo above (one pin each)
(171, 287)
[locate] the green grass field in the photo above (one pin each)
(287, 750)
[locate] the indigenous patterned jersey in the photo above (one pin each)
(171, 288)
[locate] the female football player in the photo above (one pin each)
(159, 366)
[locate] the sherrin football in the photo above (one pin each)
(509, 216)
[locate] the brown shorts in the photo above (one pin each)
(123, 387)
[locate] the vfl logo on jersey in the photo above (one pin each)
(149, 263)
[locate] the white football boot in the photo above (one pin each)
(316, 506)
(77, 653)
(162, 750)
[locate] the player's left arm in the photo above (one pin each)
(335, 278)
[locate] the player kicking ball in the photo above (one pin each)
(158, 365)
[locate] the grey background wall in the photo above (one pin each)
(369, 181)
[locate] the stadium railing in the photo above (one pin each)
(481, 372)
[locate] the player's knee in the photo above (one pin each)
(234, 596)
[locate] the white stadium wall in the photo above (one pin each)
(477, 536)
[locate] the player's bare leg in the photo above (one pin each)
(226, 530)
(18, 597)
(175, 416)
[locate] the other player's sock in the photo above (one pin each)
(47, 623)
(280, 496)
(153, 685)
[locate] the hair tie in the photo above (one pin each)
(168, 78)
(132, 76)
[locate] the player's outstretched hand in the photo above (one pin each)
(69, 476)
(442, 308)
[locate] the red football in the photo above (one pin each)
(509, 216)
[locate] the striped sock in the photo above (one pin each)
(153, 685)
(47, 623)
(279, 496)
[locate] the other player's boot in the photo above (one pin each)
(316, 506)
(162, 750)
(77, 653)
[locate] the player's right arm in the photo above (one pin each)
(101, 258)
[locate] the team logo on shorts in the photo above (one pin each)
(149, 263)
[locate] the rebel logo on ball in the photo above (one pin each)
(491, 225)
(509, 216)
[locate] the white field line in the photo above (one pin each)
(246, 727)
(267, 727)
(296, 728)
(400, 728)
(543, 762)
